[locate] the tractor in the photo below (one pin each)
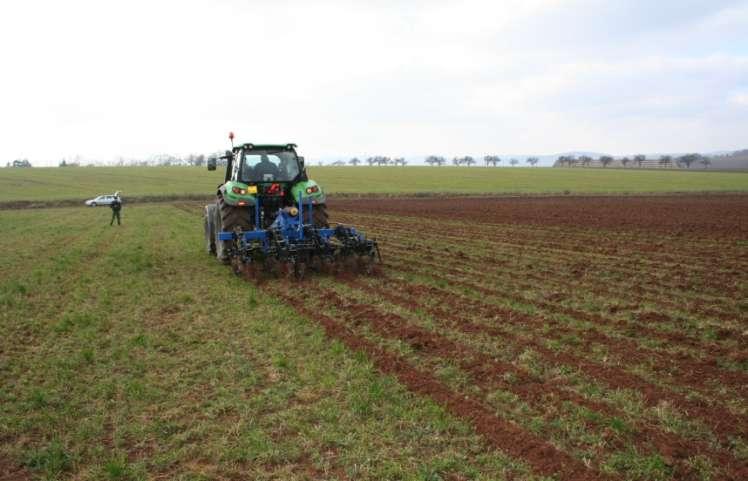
(269, 217)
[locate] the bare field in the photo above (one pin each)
(516, 338)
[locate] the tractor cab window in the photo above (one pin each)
(266, 166)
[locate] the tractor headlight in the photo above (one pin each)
(238, 190)
(312, 189)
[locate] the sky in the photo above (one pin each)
(109, 79)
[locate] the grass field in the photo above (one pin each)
(128, 354)
(77, 183)
(569, 338)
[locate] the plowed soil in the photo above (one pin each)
(589, 338)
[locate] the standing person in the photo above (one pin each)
(116, 206)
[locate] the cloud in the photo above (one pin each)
(397, 78)
(739, 98)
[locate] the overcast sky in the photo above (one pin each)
(132, 78)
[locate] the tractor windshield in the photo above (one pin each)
(268, 166)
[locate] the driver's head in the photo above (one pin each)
(264, 158)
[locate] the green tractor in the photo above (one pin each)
(270, 217)
(260, 180)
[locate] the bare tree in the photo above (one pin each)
(354, 161)
(688, 159)
(665, 161)
(491, 159)
(467, 160)
(532, 161)
(625, 161)
(585, 160)
(434, 159)
(371, 161)
(605, 160)
(514, 162)
(640, 159)
(456, 161)
(706, 162)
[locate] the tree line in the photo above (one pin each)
(432, 160)
(639, 160)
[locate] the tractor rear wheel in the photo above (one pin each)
(229, 217)
(210, 229)
(319, 216)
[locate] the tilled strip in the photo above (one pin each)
(685, 370)
(544, 459)
(722, 422)
(710, 352)
(565, 246)
(486, 373)
(651, 289)
(633, 297)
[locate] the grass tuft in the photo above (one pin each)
(51, 460)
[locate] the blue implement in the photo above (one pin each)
(293, 239)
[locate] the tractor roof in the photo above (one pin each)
(264, 146)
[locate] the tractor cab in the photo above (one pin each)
(263, 164)
(257, 164)
(264, 178)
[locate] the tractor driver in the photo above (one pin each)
(266, 168)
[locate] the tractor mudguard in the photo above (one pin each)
(309, 189)
(232, 194)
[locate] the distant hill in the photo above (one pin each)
(737, 160)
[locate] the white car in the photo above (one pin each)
(105, 199)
